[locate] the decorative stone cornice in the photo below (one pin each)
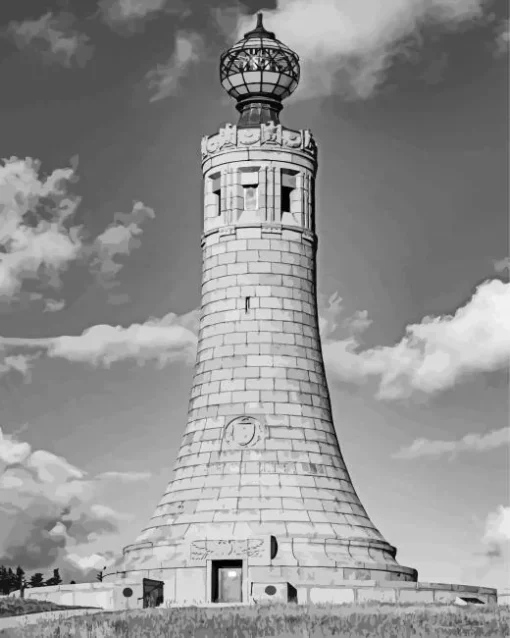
(267, 136)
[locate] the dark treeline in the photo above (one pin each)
(11, 580)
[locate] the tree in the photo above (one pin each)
(4, 581)
(37, 580)
(72, 582)
(21, 582)
(99, 576)
(55, 579)
(11, 580)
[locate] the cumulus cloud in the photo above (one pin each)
(39, 240)
(502, 264)
(491, 564)
(54, 305)
(36, 237)
(54, 37)
(172, 338)
(119, 239)
(349, 46)
(129, 477)
(497, 526)
(421, 448)
(165, 79)
(132, 14)
(435, 354)
(502, 38)
(330, 318)
(49, 509)
(21, 364)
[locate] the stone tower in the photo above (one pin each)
(260, 493)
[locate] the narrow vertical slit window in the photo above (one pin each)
(247, 305)
(216, 191)
(217, 201)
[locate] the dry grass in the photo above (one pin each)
(280, 621)
(10, 606)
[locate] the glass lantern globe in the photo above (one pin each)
(259, 69)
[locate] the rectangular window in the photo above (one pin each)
(250, 196)
(288, 186)
(286, 192)
(250, 184)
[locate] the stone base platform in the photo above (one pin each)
(302, 570)
(360, 592)
(111, 596)
(185, 586)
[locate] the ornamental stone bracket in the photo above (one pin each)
(267, 136)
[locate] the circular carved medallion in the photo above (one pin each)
(244, 431)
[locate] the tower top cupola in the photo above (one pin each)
(259, 72)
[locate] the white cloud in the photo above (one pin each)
(502, 264)
(125, 10)
(133, 13)
(20, 363)
(35, 235)
(470, 443)
(104, 344)
(489, 566)
(497, 526)
(119, 239)
(50, 510)
(54, 37)
(54, 305)
(329, 314)
(496, 546)
(38, 239)
(502, 38)
(88, 565)
(348, 46)
(165, 79)
(435, 354)
(128, 477)
(172, 338)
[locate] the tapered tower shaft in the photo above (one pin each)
(260, 476)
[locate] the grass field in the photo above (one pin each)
(279, 621)
(20, 607)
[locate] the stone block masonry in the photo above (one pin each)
(260, 456)
(260, 492)
(259, 356)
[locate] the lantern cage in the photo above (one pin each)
(259, 72)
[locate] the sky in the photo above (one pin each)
(102, 113)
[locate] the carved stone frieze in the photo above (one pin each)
(251, 548)
(267, 135)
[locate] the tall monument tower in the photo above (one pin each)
(261, 497)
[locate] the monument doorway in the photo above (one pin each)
(227, 581)
(152, 592)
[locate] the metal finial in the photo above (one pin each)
(260, 30)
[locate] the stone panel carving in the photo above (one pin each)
(266, 135)
(243, 431)
(254, 549)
